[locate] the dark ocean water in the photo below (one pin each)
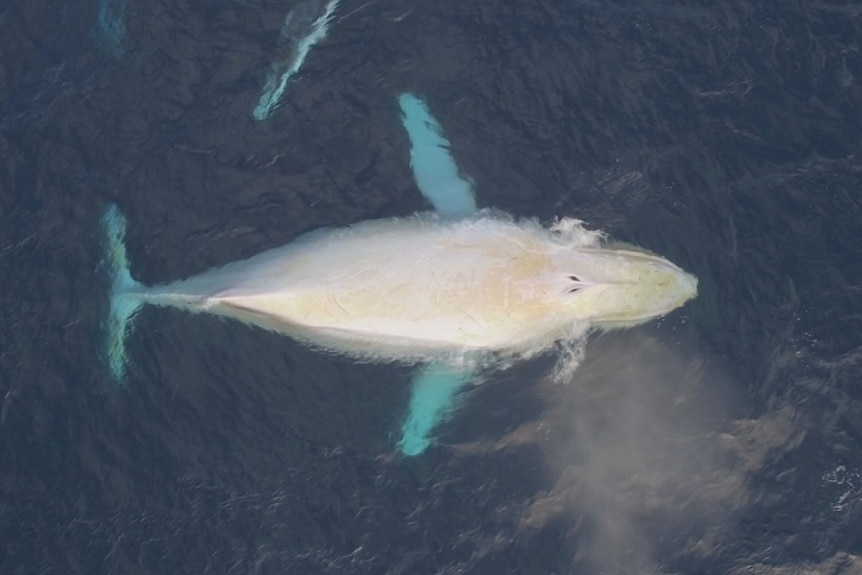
(726, 438)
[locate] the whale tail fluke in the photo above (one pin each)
(126, 293)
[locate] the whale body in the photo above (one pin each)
(409, 289)
(452, 289)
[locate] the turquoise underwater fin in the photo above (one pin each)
(435, 388)
(434, 169)
(434, 394)
(126, 293)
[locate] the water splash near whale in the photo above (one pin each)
(303, 27)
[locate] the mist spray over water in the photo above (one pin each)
(639, 455)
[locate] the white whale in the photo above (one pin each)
(447, 289)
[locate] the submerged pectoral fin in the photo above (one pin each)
(433, 395)
(433, 167)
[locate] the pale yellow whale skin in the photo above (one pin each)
(404, 288)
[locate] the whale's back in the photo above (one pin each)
(396, 284)
(402, 288)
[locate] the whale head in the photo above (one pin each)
(615, 288)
